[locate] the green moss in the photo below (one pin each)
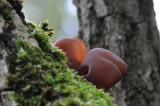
(32, 25)
(42, 35)
(40, 76)
(10, 22)
(6, 11)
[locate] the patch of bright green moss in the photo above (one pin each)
(32, 25)
(41, 76)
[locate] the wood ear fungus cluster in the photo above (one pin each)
(99, 66)
(102, 68)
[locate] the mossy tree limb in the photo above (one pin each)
(38, 74)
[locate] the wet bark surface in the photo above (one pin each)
(127, 28)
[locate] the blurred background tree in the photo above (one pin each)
(127, 28)
(60, 13)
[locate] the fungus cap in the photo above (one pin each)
(74, 48)
(102, 68)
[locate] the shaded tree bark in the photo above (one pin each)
(127, 28)
(12, 26)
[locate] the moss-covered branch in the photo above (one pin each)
(40, 76)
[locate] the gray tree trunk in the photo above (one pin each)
(9, 31)
(127, 28)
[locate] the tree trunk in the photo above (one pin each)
(12, 26)
(127, 28)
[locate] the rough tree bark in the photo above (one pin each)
(127, 28)
(12, 26)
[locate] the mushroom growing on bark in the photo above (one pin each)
(102, 68)
(74, 48)
(99, 66)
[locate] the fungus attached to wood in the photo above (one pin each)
(75, 50)
(102, 68)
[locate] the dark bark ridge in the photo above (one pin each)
(128, 28)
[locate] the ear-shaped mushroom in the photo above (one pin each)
(75, 50)
(102, 68)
